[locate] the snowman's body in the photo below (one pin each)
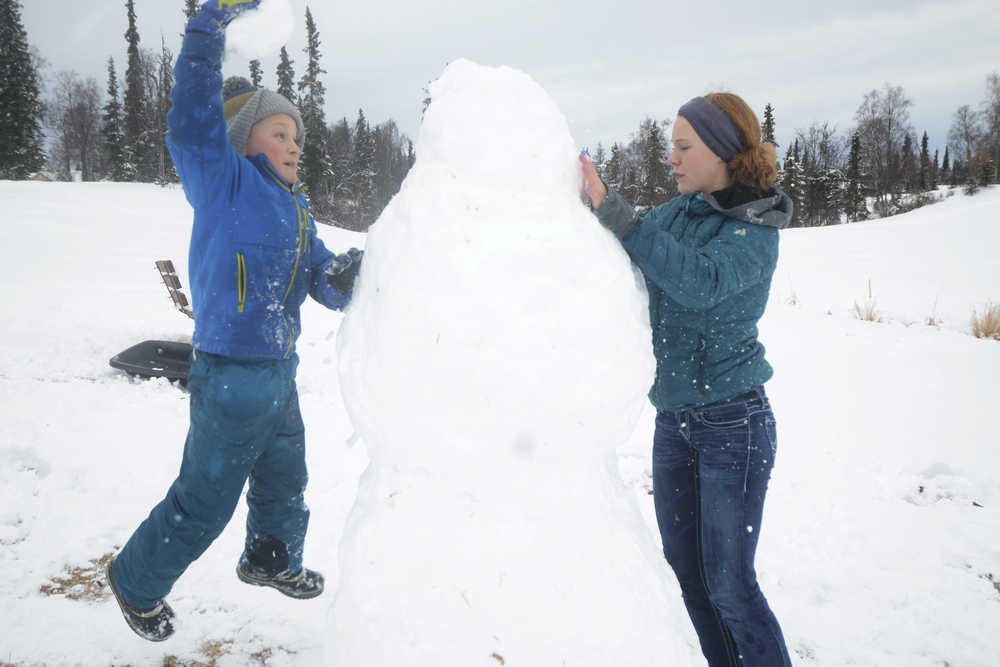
(496, 353)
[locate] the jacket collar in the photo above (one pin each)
(264, 165)
(770, 209)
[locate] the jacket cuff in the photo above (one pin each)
(209, 20)
(616, 214)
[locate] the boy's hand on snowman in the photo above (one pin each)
(341, 270)
(215, 15)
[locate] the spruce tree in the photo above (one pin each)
(854, 196)
(972, 181)
(656, 174)
(315, 164)
(613, 167)
(339, 149)
(286, 76)
(141, 159)
(111, 129)
(945, 173)
(165, 83)
(256, 73)
(934, 171)
(190, 8)
(363, 173)
(925, 165)
(957, 173)
(767, 127)
(21, 108)
(909, 171)
(792, 183)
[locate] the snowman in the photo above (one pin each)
(496, 353)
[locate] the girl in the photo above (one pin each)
(708, 256)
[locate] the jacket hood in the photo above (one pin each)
(774, 209)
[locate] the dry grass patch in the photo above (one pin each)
(987, 324)
(868, 312)
(80, 583)
(214, 650)
(211, 650)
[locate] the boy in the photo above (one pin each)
(254, 257)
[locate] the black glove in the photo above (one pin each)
(342, 270)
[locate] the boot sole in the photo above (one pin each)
(270, 583)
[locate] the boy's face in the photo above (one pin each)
(274, 136)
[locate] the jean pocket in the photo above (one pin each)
(723, 415)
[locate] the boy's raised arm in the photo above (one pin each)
(197, 138)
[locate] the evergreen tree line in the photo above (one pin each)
(352, 170)
(877, 168)
(880, 167)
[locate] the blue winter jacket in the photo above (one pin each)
(254, 253)
(708, 269)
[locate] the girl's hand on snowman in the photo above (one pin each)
(592, 183)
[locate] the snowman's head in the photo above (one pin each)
(496, 125)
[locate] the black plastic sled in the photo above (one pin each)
(156, 359)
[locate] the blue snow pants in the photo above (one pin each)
(245, 423)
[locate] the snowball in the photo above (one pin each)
(261, 32)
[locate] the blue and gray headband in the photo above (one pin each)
(713, 126)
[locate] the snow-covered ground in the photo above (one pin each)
(881, 536)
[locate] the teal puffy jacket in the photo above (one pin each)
(254, 255)
(708, 271)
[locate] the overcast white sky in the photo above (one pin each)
(607, 64)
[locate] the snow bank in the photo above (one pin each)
(879, 541)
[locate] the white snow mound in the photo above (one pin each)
(498, 325)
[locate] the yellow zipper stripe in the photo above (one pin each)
(298, 253)
(241, 282)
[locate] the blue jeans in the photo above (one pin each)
(711, 466)
(245, 422)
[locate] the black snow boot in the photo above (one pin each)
(154, 624)
(266, 564)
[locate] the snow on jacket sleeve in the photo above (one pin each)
(321, 289)
(205, 159)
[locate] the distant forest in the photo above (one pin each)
(879, 167)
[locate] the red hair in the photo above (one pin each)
(756, 164)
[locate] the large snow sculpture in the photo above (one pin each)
(496, 353)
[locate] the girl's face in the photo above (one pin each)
(274, 136)
(696, 167)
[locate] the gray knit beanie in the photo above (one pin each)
(243, 106)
